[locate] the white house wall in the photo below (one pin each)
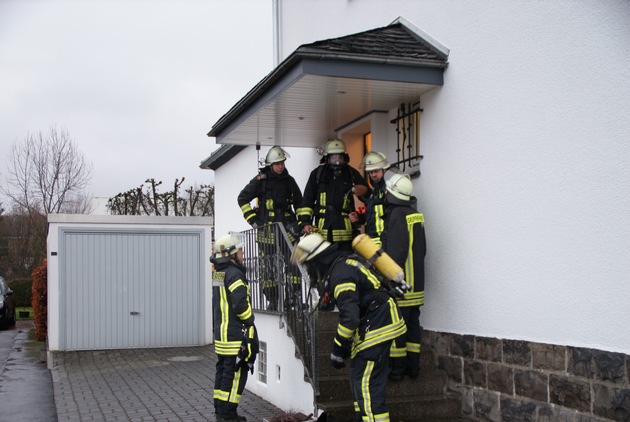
(525, 181)
(285, 386)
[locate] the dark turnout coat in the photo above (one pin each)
(368, 315)
(404, 240)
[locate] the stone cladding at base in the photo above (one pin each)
(511, 380)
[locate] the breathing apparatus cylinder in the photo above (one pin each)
(373, 253)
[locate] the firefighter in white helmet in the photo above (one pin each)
(329, 196)
(369, 320)
(277, 197)
(375, 164)
(235, 337)
(404, 241)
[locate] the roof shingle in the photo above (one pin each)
(393, 41)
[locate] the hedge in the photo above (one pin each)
(40, 301)
(22, 292)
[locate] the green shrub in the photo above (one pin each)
(22, 292)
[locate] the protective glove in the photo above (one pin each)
(341, 347)
(337, 361)
(248, 322)
(295, 229)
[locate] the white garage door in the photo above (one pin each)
(130, 289)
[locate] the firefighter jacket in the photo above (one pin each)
(368, 315)
(374, 210)
(328, 199)
(278, 196)
(232, 310)
(404, 241)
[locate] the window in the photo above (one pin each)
(262, 362)
(367, 142)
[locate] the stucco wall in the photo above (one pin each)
(525, 181)
(285, 386)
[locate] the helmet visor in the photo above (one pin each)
(336, 159)
(392, 175)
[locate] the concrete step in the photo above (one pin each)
(408, 409)
(432, 383)
(409, 400)
(428, 361)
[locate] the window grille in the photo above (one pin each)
(407, 124)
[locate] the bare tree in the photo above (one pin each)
(48, 174)
(198, 201)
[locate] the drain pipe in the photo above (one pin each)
(277, 23)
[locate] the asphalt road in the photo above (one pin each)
(26, 388)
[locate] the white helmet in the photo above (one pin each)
(374, 161)
(309, 247)
(225, 246)
(398, 184)
(276, 155)
(335, 146)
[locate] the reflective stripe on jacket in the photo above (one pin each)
(367, 314)
(231, 307)
(404, 240)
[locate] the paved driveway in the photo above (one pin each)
(26, 389)
(168, 384)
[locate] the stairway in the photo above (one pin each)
(422, 399)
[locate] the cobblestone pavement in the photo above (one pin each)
(167, 384)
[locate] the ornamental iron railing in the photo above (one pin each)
(278, 286)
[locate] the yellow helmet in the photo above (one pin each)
(225, 246)
(335, 146)
(309, 247)
(276, 155)
(374, 161)
(398, 184)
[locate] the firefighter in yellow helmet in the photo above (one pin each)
(375, 164)
(277, 196)
(369, 320)
(328, 201)
(235, 337)
(404, 241)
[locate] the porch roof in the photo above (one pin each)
(324, 86)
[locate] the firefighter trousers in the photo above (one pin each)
(229, 383)
(368, 381)
(407, 360)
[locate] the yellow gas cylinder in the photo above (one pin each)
(384, 263)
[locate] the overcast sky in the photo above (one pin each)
(137, 83)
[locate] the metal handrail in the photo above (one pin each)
(280, 287)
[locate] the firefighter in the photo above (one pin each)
(405, 242)
(375, 164)
(235, 338)
(328, 196)
(277, 196)
(369, 320)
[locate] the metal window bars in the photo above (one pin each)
(407, 124)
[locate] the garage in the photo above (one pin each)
(117, 282)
